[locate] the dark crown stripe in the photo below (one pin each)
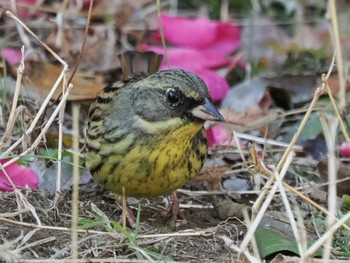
(101, 100)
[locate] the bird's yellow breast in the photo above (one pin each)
(154, 166)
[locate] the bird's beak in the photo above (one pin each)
(207, 112)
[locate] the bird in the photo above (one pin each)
(145, 134)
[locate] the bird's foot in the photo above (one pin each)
(173, 209)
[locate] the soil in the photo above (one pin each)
(195, 238)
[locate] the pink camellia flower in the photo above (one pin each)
(200, 46)
(200, 33)
(20, 176)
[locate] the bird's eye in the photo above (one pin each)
(172, 96)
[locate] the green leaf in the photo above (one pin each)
(312, 129)
(345, 206)
(271, 241)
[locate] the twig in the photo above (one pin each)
(12, 118)
(266, 203)
(162, 34)
(230, 244)
(338, 53)
(49, 96)
(75, 195)
(330, 131)
(44, 130)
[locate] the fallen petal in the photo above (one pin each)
(181, 57)
(11, 55)
(217, 135)
(198, 63)
(200, 33)
(21, 177)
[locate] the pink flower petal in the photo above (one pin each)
(187, 32)
(228, 39)
(217, 135)
(188, 57)
(20, 176)
(200, 33)
(344, 149)
(217, 85)
(11, 55)
(199, 63)
(24, 12)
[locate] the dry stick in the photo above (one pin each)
(162, 34)
(47, 99)
(60, 143)
(341, 123)
(292, 221)
(75, 197)
(113, 235)
(266, 203)
(301, 229)
(237, 142)
(230, 244)
(257, 204)
(38, 115)
(319, 91)
(36, 243)
(224, 11)
(9, 14)
(253, 241)
(307, 199)
(44, 130)
(338, 53)
(266, 141)
(12, 119)
(330, 126)
(61, 116)
(2, 167)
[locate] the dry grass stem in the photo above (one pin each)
(268, 184)
(330, 125)
(266, 141)
(266, 203)
(12, 117)
(290, 215)
(75, 197)
(238, 144)
(44, 130)
(334, 105)
(338, 53)
(230, 244)
(253, 241)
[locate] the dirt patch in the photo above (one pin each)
(196, 238)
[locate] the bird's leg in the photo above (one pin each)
(173, 208)
(124, 215)
(127, 214)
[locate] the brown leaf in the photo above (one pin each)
(41, 77)
(342, 174)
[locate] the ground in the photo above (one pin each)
(196, 238)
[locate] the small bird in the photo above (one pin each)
(145, 135)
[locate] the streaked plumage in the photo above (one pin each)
(146, 133)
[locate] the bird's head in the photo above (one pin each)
(169, 99)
